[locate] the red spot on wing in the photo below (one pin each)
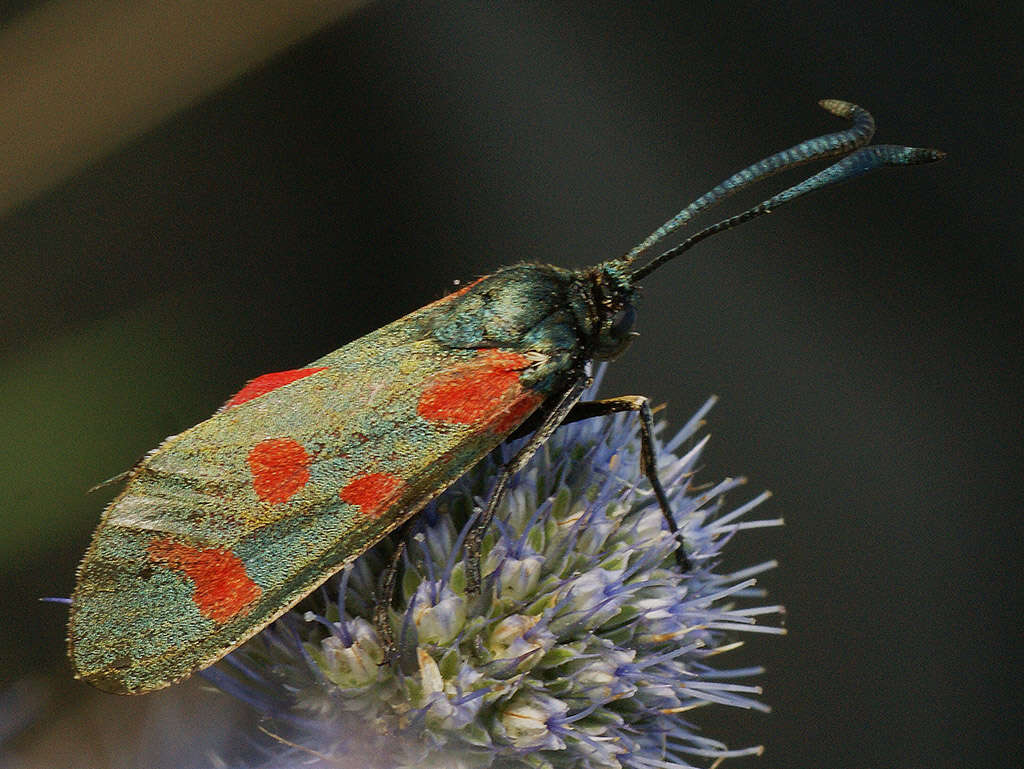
(222, 589)
(261, 385)
(521, 408)
(280, 467)
(484, 391)
(372, 493)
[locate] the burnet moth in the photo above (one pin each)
(223, 528)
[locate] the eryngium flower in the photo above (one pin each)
(585, 650)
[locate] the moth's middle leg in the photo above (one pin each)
(554, 415)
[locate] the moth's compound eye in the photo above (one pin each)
(622, 321)
(615, 334)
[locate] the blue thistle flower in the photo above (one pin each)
(585, 649)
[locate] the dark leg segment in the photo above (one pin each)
(648, 462)
(556, 414)
(386, 596)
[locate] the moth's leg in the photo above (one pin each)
(648, 463)
(552, 418)
(386, 596)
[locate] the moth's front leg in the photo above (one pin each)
(640, 404)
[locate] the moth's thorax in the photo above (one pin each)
(604, 302)
(521, 307)
(586, 313)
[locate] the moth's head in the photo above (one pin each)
(613, 304)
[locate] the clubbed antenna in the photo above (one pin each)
(831, 145)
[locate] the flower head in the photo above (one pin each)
(584, 650)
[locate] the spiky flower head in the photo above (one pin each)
(586, 649)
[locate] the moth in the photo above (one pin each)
(224, 527)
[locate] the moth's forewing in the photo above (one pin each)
(227, 525)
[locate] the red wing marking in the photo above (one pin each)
(280, 467)
(261, 385)
(455, 294)
(483, 391)
(222, 588)
(517, 412)
(462, 290)
(372, 493)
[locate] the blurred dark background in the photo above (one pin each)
(864, 342)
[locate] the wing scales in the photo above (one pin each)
(193, 504)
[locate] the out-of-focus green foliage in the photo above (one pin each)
(83, 407)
